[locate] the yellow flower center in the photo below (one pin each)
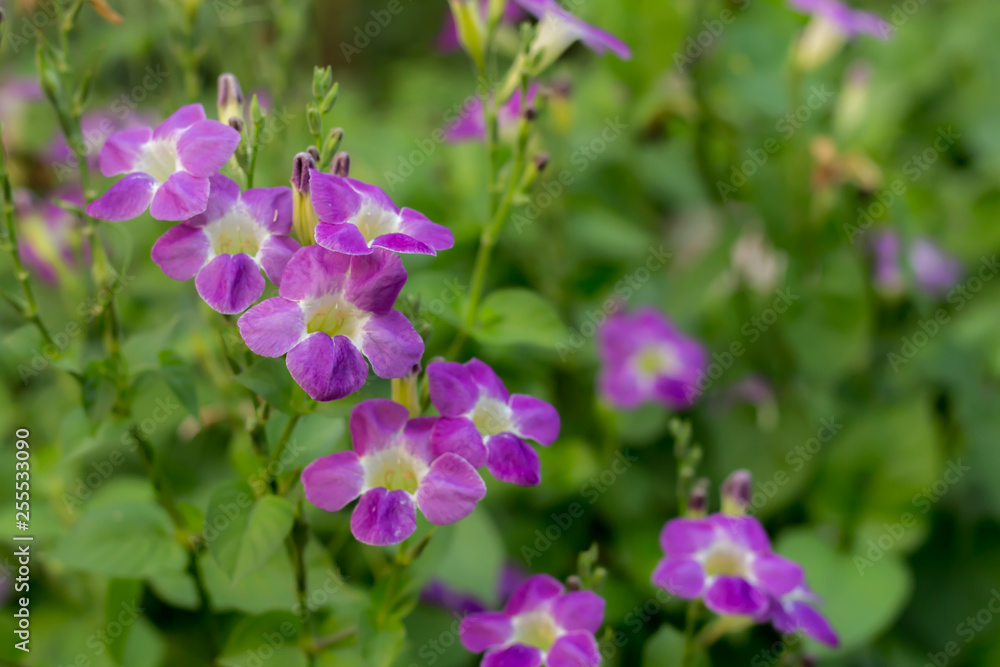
(491, 416)
(235, 233)
(159, 159)
(394, 469)
(374, 222)
(334, 316)
(535, 629)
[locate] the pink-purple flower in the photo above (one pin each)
(447, 39)
(558, 29)
(471, 123)
(167, 169)
(225, 248)
(395, 469)
(934, 270)
(541, 624)
(47, 234)
(849, 21)
(330, 310)
(356, 218)
(646, 359)
(486, 424)
(795, 611)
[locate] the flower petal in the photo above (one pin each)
(459, 436)
(273, 327)
(206, 146)
(275, 254)
(345, 238)
(181, 251)
(734, 596)
(397, 242)
(682, 577)
(384, 517)
(374, 424)
(534, 418)
(230, 283)
(574, 649)
(126, 199)
(391, 344)
(417, 225)
(484, 630)
(330, 482)
(685, 536)
(450, 490)
(532, 594)
(179, 120)
(333, 198)
(312, 272)
(271, 208)
(802, 616)
(375, 281)
(512, 460)
(517, 655)
(223, 195)
(777, 574)
(488, 381)
(327, 368)
(579, 610)
(452, 388)
(183, 196)
(122, 151)
(745, 531)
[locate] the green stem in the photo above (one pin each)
(690, 645)
(279, 449)
(30, 309)
(163, 495)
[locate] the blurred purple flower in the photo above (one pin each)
(646, 359)
(541, 624)
(168, 169)
(225, 248)
(15, 93)
(447, 39)
(471, 123)
(330, 309)
(394, 469)
(795, 612)
(849, 21)
(355, 218)
(96, 128)
(558, 29)
(47, 234)
(439, 594)
(934, 271)
(486, 424)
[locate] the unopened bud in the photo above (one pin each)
(301, 165)
(341, 164)
(332, 143)
(231, 102)
(698, 499)
(322, 78)
(574, 583)
(314, 120)
(736, 492)
(530, 114)
(304, 218)
(406, 390)
(314, 153)
(330, 99)
(236, 124)
(541, 161)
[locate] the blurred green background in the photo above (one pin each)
(845, 444)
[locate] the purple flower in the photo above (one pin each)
(934, 270)
(331, 309)
(355, 218)
(558, 29)
(646, 359)
(46, 234)
(393, 466)
(851, 22)
(888, 274)
(794, 612)
(96, 128)
(471, 123)
(541, 624)
(727, 562)
(225, 248)
(439, 594)
(486, 424)
(168, 169)
(447, 39)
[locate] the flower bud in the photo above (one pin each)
(341, 164)
(236, 124)
(314, 120)
(820, 41)
(332, 143)
(314, 152)
(698, 499)
(304, 219)
(736, 493)
(330, 99)
(541, 161)
(230, 102)
(406, 390)
(469, 26)
(574, 583)
(852, 104)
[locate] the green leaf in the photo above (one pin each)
(98, 389)
(181, 380)
(271, 520)
(122, 539)
(225, 523)
(271, 588)
(175, 588)
(519, 316)
(142, 351)
(252, 636)
(122, 608)
(269, 378)
(666, 647)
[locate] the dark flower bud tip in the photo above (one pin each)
(736, 492)
(301, 166)
(698, 500)
(541, 161)
(342, 164)
(314, 152)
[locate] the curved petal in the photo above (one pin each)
(459, 436)
(512, 460)
(534, 592)
(183, 196)
(230, 283)
(223, 195)
(181, 251)
(489, 382)
(327, 368)
(811, 622)
(375, 281)
(122, 151)
(452, 389)
(450, 490)
(273, 327)
(484, 630)
(126, 199)
(373, 194)
(734, 596)
(275, 254)
(205, 147)
(384, 517)
(271, 208)
(397, 242)
(416, 224)
(391, 344)
(745, 531)
(345, 238)
(574, 649)
(579, 610)
(374, 424)
(333, 197)
(178, 120)
(682, 577)
(330, 482)
(534, 418)
(685, 536)
(312, 272)
(517, 655)
(777, 574)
